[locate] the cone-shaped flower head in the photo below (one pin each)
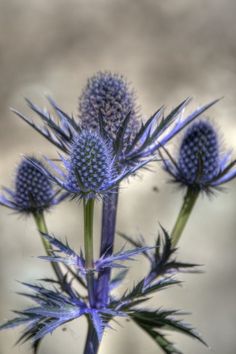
(33, 189)
(108, 106)
(200, 164)
(108, 100)
(90, 168)
(199, 154)
(90, 164)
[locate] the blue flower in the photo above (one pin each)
(200, 164)
(111, 112)
(33, 190)
(107, 100)
(90, 169)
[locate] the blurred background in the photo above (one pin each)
(168, 50)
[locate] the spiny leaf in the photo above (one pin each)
(154, 321)
(110, 261)
(160, 340)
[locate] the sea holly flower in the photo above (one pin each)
(107, 100)
(90, 170)
(111, 112)
(33, 195)
(200, 168)
(200, 163)
(107, 105)
(106, 144)
(33, 191)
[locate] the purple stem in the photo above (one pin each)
(92, 343)
(109, 212)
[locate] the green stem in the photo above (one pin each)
(185, 211)
(42, 229)
(88, 247)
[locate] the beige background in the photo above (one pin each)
(168, 49)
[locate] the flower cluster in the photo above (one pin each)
(105, 144)
(131, 140)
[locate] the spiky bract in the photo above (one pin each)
(54, 308)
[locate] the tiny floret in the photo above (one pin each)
(108, 97)
(90, 163)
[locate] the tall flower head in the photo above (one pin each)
(200, 164)
(107, 99)
(33, 190)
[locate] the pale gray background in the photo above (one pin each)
(168, 49)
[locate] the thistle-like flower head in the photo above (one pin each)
(90, 169)
(200, 164)
(107, 99)
(33, 189)
(107, 106)
(199, 153)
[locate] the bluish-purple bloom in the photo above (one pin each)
(111, 113)
(106, 143)
(90, 168)
(90, 164)
(107, 100)
(200, 164)
(33, 190)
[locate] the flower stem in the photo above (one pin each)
(92, 343)
(42, 229)
(88, 247)
(109, 213)
(185, 211)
